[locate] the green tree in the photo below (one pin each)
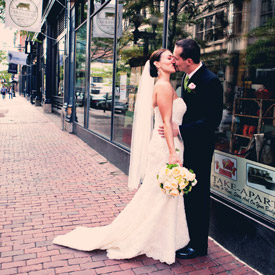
(5, 77)
(3, 57)
(261, 54)
(2, 10)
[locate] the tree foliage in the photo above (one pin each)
(5, 77)
(261, 54)
(3, 57)
(2, 10)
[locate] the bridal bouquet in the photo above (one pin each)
(175, 180)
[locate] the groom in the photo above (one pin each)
(203, 95)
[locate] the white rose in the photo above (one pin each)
(167, 171)
(176, 171)
(184, 172)
(190, 176)
(167, 185)
(174, 183)
(194, 182)
(162, 178)
(174, 192)
(183, 184)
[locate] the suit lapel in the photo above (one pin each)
(196, 77)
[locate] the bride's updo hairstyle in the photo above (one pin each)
(155, 56)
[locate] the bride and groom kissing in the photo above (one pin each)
(161, 226)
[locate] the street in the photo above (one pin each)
(51, 182)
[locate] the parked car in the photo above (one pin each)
(95, 99)
(120, 107)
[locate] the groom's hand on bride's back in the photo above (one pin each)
(175, 130)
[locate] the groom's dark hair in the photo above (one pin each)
(190, 49)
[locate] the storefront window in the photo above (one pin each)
(139, 34)
(101, 70)
(243, 167)
(267, 10)
(60, 60)
(43, 65)
(81, 12)
(80, 59)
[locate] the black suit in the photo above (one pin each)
(203, 115)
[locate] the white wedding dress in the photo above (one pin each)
(152, 223)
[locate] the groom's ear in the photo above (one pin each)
(190, 61)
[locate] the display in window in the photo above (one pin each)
(254, 187)
(261, 179)
(253, 127)
(225, 166)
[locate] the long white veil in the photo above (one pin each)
(142, 128)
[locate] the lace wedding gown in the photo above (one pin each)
(152, 223)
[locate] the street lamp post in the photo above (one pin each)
(28, 45)
(147, 36)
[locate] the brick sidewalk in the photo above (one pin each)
(51, 182)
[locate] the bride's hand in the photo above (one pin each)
(175, 128)
(174, 158)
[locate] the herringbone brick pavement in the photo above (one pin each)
(51, 182)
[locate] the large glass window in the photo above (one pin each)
(237, 19)
(81, 12)
(267, 10)
(80, 59)
(210, 28)
(243, 167)
(101, 70)
(43, 67)
(139, 34)
(60, 60)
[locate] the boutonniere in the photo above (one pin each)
(191, 88)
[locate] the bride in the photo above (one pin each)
(152, 223)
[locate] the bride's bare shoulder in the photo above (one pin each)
(163, 84)
(163, 87)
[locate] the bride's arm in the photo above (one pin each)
(164, 98)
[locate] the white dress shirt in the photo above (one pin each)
(192, 73)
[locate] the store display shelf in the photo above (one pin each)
(252, 124)
(241, 115)
(238, 135)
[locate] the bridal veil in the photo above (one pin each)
(142, 128)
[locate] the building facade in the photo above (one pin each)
(88, 60)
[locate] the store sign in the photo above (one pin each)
(104, 21)
(248, 182)
(17, 58)
(24, 14)
(12, 68)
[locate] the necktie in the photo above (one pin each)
(185, 82)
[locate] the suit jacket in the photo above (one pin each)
(203, 116)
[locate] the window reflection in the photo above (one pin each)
(81, 12)
(236, 45)
(80, 59)
(101, 70)
(60, 60)
(141, 34)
